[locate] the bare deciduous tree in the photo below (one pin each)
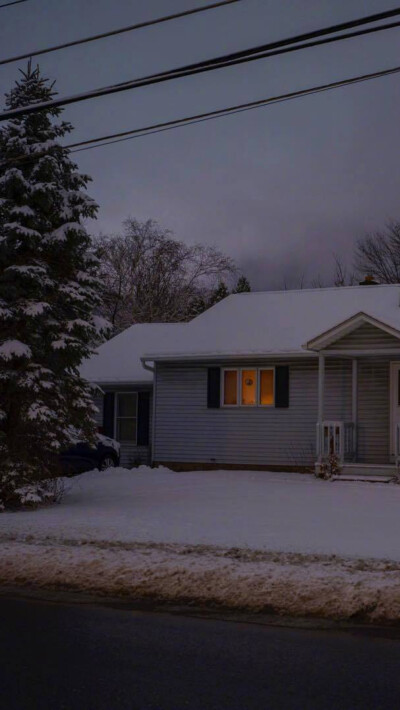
(378, 254)
(342, 276)
(150, 276)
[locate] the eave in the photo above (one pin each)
(213, 357)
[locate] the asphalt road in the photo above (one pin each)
(72, 657)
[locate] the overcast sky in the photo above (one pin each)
(280, 188)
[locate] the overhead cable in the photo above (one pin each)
(251, 54)
(110, 139)
(120, 30)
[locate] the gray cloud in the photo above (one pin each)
(281, 189)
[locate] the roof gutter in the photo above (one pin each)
(225, 356)
(145, 365)
(378, 352)
(123, 383)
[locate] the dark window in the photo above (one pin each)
(126, 416)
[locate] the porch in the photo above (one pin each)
(366, 438)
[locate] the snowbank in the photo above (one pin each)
(257, 541)
(295, 585)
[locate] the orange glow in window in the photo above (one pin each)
(249, 387)
(230, 387)
(266, 386)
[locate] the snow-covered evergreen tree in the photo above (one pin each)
(242, 286)
(49, 292)
(218, 294)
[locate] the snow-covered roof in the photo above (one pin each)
(246, 324)
(276, 322)
(118, 360)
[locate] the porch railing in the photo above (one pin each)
(397, 445)
(339, 438)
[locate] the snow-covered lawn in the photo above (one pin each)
(238, 538)
(260, 510)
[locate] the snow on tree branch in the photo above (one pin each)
(50, 292)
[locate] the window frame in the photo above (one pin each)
(239, 403)
(116, 417)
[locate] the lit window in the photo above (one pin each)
(230, 387)
(266, 387)
(126, 416)
(249, 387)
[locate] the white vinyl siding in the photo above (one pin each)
(366, 337)
(187, 431)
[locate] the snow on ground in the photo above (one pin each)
(253, 540)
(264, 511)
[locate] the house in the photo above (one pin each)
(273, 380)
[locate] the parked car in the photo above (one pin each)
(81, 456)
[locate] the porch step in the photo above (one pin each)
(369, 470)
(366, 478)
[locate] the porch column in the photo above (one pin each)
(321, 397)
(354, 397)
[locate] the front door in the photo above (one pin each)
(394, 406)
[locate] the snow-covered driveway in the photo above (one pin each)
(259, 541)
(258, 510)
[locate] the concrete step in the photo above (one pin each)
(369, 469)
(366, 478)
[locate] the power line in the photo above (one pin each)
(14, 2)
(232, 59)
(377, 17)
(253, 54)
(326, 40)
(278, 52)
(221, 113)
(121, 30)
(210, 115)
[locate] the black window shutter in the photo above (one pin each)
(213, 387)
(108, 414)
(143, 423)
(282, 386)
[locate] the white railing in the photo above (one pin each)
(337, 437)
(397, 445)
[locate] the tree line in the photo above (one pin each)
(150, 276)
(376, 255)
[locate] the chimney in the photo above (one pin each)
(369, 281)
